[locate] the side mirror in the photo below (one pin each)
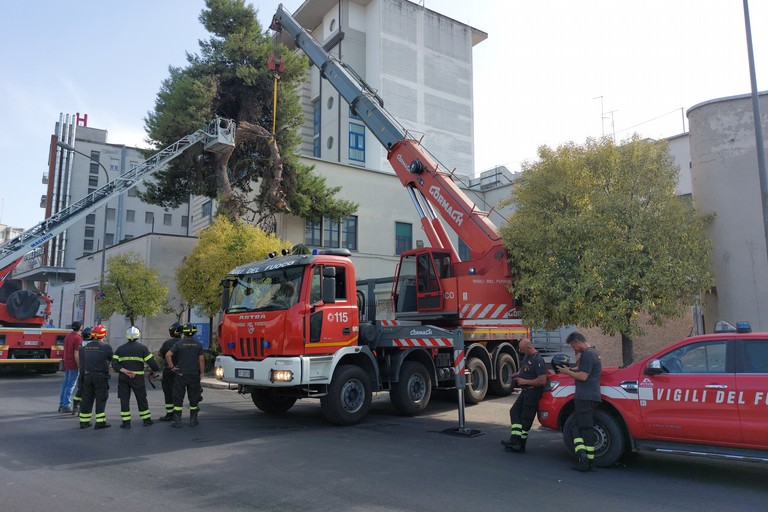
(653, 367)
(329, 285)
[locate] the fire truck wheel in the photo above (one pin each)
(268, 401)
(611, 442)
(23, 304)
(349, 396)
(477, 381)
(411, 394)
(504, 384)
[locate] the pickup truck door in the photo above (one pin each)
(695, 399)
(752, 386)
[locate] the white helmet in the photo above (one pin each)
(133, 333)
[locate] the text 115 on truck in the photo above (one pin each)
(293, 326)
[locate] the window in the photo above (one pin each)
(403, 237)
(130, 216)
(184, 221)
(109, 239)
(90, 218)
(755, 356)
(356, 142)
(132, 192)
(703, 357)
(91, 190)
(93, 169)
(149, 218)
(114, 164)
(207, 209)
(110, 214)
(316, 128)
(332, 233)
(93, 181)
(88, 244)
(128, 237)
(463, 250)
(167, 219)
(89, 231)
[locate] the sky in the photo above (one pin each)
(550, 72)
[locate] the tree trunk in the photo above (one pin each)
(627, 350)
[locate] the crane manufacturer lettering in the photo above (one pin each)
(456, 215)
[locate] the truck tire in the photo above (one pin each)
(23, 304)
(503, 384)
(349, 396)
(268, 401)
(411, 394)
(611, 442)
(477, 381)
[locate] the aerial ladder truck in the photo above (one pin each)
(320, 345)
(24, 343)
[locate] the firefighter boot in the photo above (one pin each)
(168, 417)
(522, 444)
(125, 424)
(148, 422)
(176, 420)
(101, 425)
(193, 418)
(514, 444)
(582, 465)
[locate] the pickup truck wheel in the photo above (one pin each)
(610, 442)
(503, 384)
(411, 394)
(349, 396)
(477, 381)
(271, 403)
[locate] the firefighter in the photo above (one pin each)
(531, 379)
(86, 334)
(189, 367)
(95, 358)
(586, 399)
(129, 362)
(168, 374)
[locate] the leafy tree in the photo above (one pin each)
(598, 236)
(230, 78)
(131, 288)
(223, 246)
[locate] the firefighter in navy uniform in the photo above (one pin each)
(94, 360)
(531, 378)
(168, 374)
(189, 368)
(78, 397)
(129, 362)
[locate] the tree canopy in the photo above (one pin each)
(131, 288)
(223, 245)
(598, 236)
(230, 78)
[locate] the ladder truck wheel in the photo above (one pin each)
(349, 396)
(268, 401)
(503, 384)
(477, 381)
(411, 394)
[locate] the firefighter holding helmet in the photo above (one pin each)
(189, 368)
(129, 361)
(169, 375)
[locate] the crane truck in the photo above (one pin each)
(294, 327)
(24, 342)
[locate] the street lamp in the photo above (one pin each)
(68, 147)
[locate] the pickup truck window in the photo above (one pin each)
(755, 356)
(704, 357)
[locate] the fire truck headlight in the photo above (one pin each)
(543, 415)
(218, 372)
(280, 375)
(552, 385)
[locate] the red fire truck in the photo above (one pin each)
(704, 395)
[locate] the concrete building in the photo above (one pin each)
(725, 182)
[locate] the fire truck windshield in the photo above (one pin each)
(266, 291)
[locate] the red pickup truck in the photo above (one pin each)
(704, 395)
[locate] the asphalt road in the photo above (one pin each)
(239, 459)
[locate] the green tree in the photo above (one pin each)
(598, 236)
(131, 288)
(230, 78)
(223, 246)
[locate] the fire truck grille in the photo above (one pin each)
(250, 348)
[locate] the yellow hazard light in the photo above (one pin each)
(218, 372)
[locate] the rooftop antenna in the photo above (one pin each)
(602, 113)
(613, 126)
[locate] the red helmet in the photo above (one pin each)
(99, 332)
